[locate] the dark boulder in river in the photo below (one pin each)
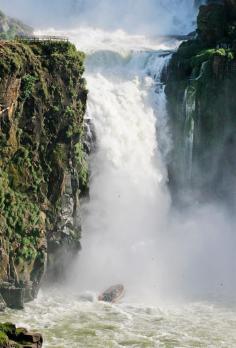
(10, 336)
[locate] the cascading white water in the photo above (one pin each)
(189, 105)
(128, 230)
(127, 175)
(129, 201)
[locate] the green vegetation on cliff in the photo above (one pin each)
(42, 105)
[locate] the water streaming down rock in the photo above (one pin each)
(128, 196)
(128, 230)
(189, 167)
(189, 105)
(129, 201)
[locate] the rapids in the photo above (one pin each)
(67, 322)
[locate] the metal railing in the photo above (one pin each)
(41, 38)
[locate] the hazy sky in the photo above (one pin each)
(155, 16)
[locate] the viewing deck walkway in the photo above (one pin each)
(42, 38)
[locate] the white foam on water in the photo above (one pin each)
(65, 321)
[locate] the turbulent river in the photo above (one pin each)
(68, 322)
(125, 236)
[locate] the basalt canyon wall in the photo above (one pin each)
(200, 91)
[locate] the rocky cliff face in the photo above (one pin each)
(43, 168)
(202, 107)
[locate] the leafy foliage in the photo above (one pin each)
(27, 86)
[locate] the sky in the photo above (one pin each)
(136, 16)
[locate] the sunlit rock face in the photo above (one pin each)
(43, 170)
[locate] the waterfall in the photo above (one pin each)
(129, 230)
(189, 115)
(129, 201)
(131, 233)
(189, 124)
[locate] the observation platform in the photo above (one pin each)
(41, 38)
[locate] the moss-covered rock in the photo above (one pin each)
(42, 104)
(10, 336)
(4, 341)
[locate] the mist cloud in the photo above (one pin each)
(139, 16)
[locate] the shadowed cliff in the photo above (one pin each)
(202, 107)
